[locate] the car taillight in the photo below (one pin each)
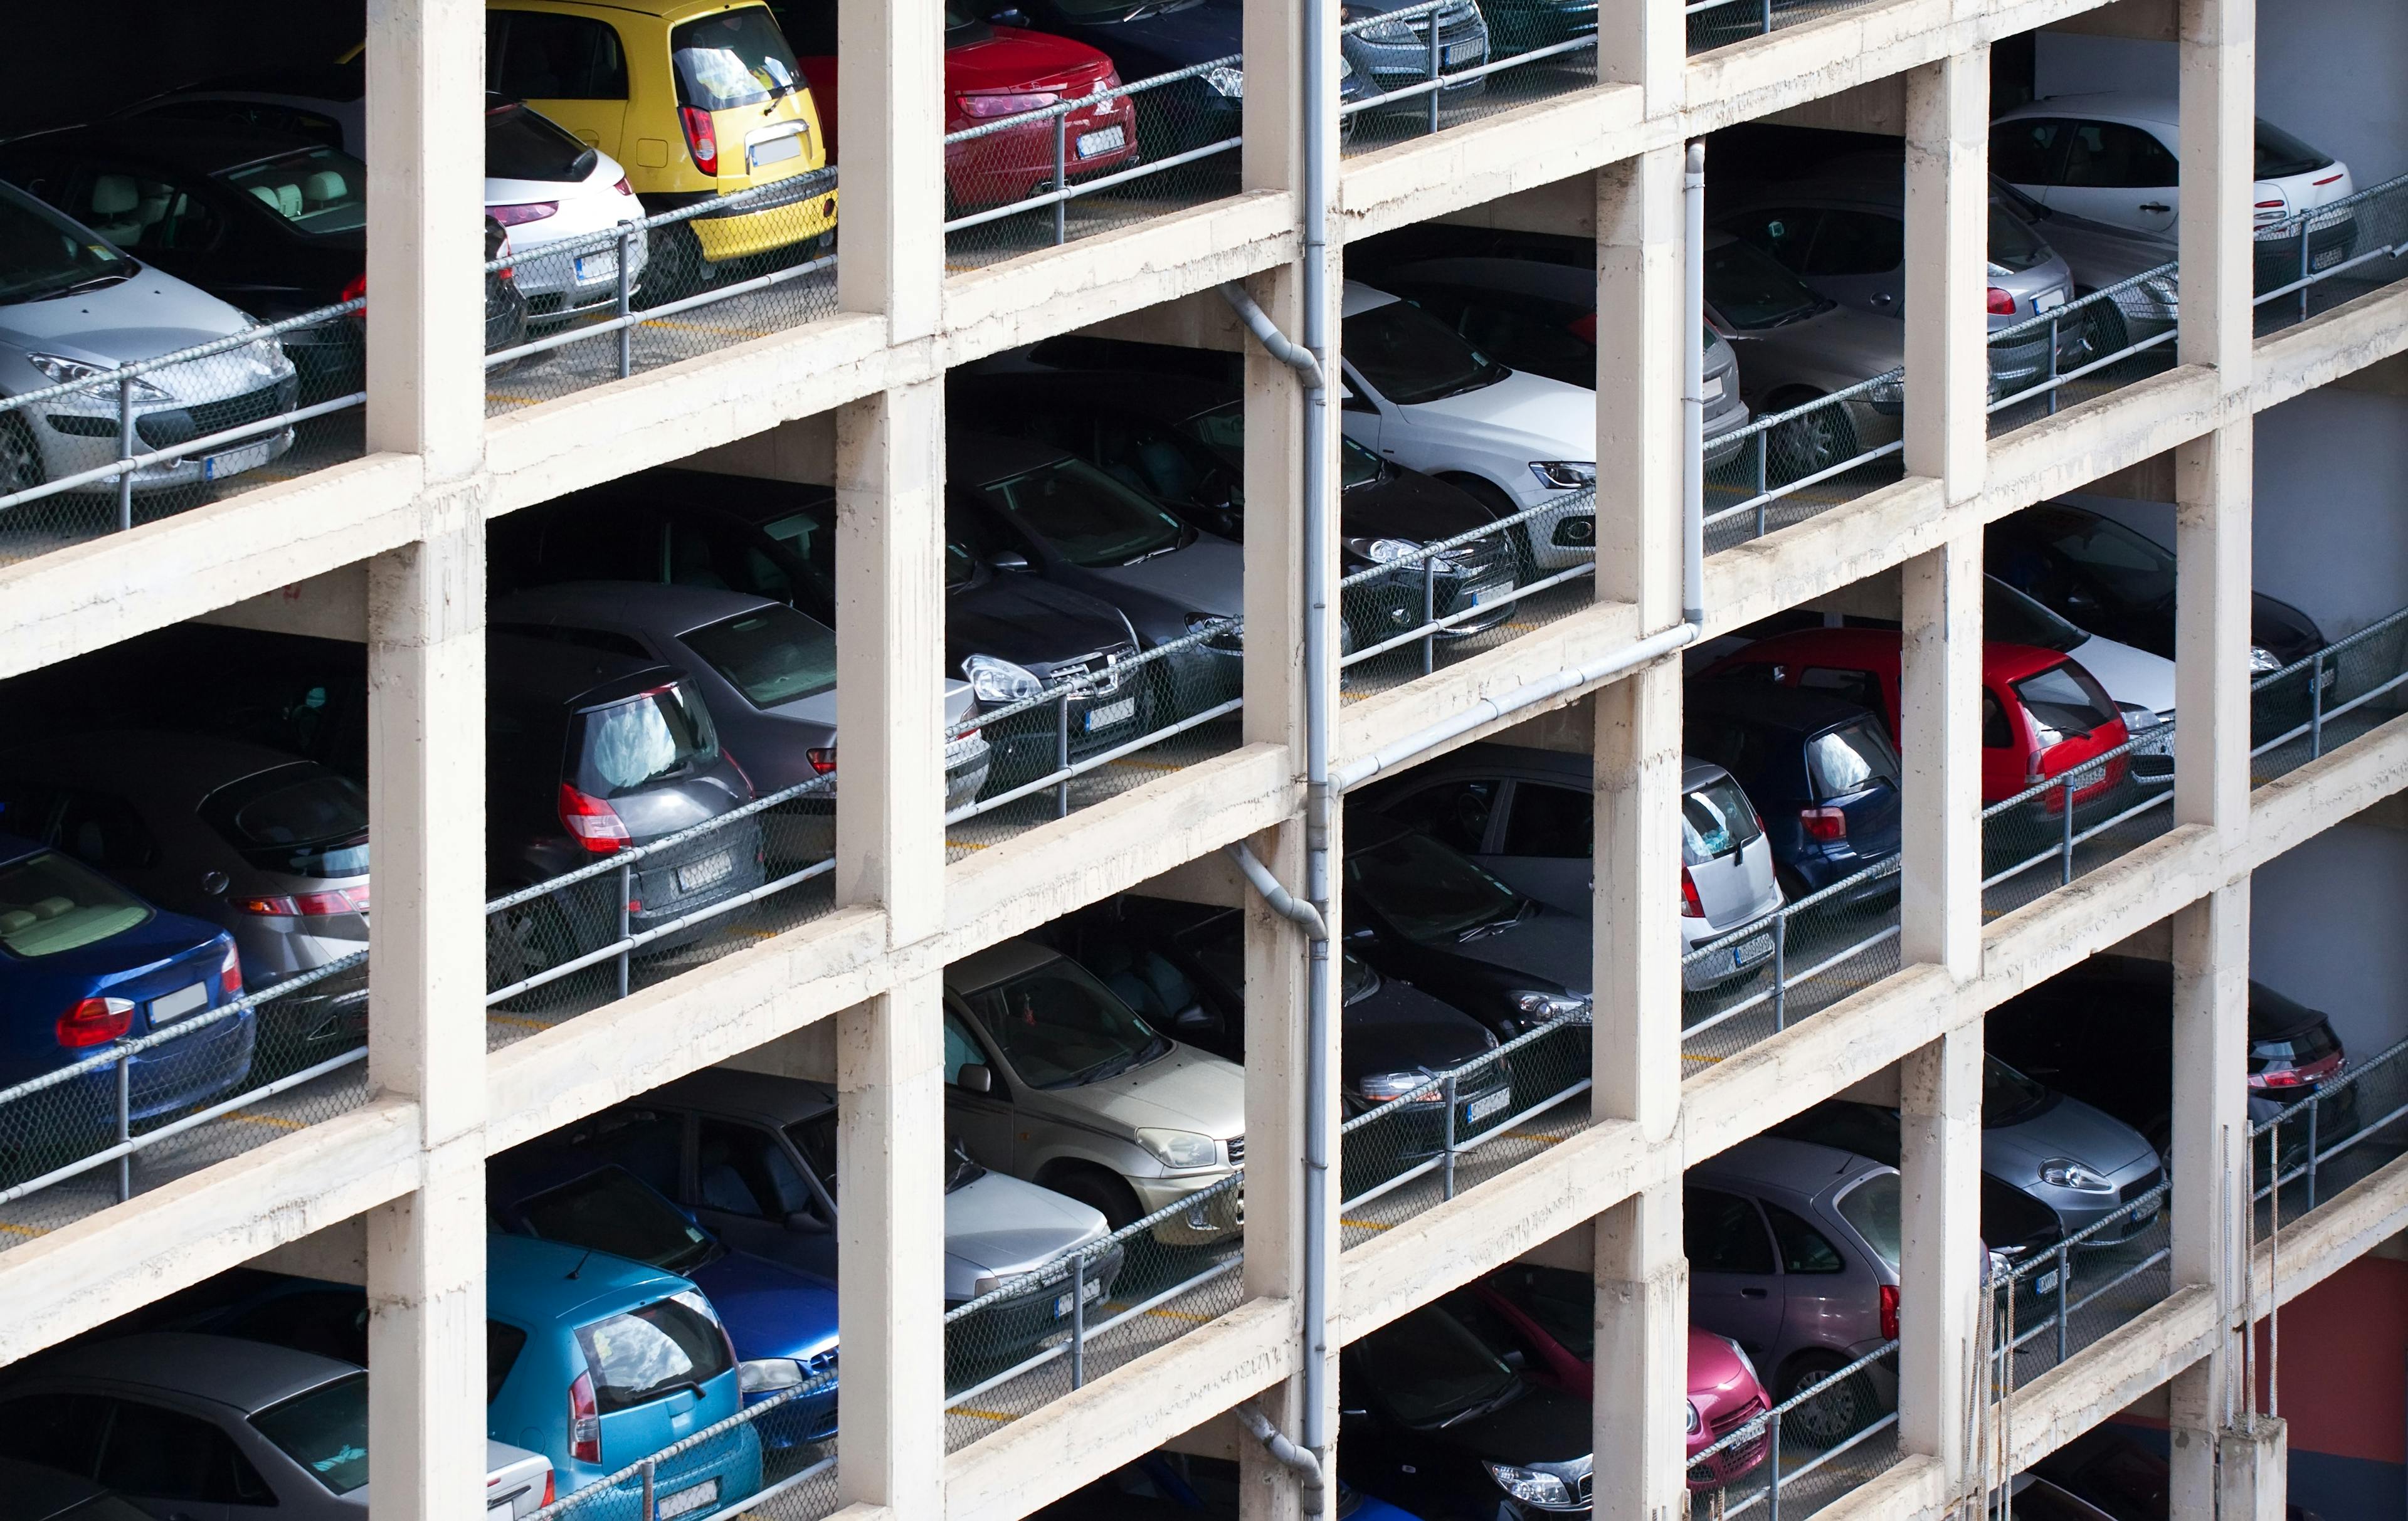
(341, 900)
(547, 1488)
(584, 1422)
(823, 761)
(511, 216)
(594, 822)
(356, 289)
(1889, 1312)
(699, 140)
(94, 1022)
(230, 972)
(623, 187)
(1826, 825)
(983, 106)
(2003, 303)
(2278, 1077)
(1690, 907)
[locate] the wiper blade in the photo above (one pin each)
(98, 282)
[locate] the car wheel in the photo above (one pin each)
(21, 461)
(1099, 1191)
(1837, 1411)
(1810, 444)
(675, 270)
(526, 940)
(2103, 330)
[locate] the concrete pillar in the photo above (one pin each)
(889, 75)
(1948, 252)
(425, 65)
(2253, 1473)
(1643, 1359)
(1939, 1267)
(2212, 527)
(425, 1251)
(1639, 332)
(1645, 43)
(1941, 746)
(2216, 55)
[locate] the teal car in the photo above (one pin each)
(599, 1362)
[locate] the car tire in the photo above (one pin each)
(2104, 329)
(675, 269)
(1837, 1412)
(524, 940)
(1099, 1191)
(1808, 445)
(20, 458)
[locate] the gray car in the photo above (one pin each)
(1391, 55)
(187, 1426)
(1052, 1078)
(121, 311)
(1796, 347)
(767, 672)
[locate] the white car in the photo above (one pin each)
(541, 183)
(2115, 157)
(1418, 393)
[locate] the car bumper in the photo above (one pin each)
(674, 886)
(573, 270)
(1206, 1221)
(83, 436)
(1018, 162)
(803, 207)
(733, 1459)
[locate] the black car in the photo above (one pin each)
(1820, 769)
(1421, 911)
(2102, 1032)
(2014, 1221)
(590, 751)
(2114, 1475)
(2119, 584)
(1181, 440)
(1437, 1415)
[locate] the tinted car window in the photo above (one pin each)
(1453, 812)
(302, 820)
(164, 1453)
(2109, 155)
(1850, 759)
(735, 59)
(1549, 821)
(1804, 1249)
(961, 1050)
(524, 144)
(2064, 701)
(1059, 1028)
(1722, 1233)
(503, 1344)
(1785, 233)
(63, 1430)
(1872, 1207)
(2026, 152)
(1410, 356)
(325, 1430)
(138, 212)
(1716, 820)
(741, 1169)
(332, 1323)
(816, 1140)
(669, 1345)
(1427, 891)
(1430, 1366)
(647, 1143)
(1085, 515)
(44, 254)
(49, 904)
(541, 55)
(1734, 745)
(1750, 290)
(624, 746)
(1858, 243)
(2011, 617)
(2008, 1097)
(1532, 334)
(772, 654)
(2281, 155)
(607, 1209)
(1563, 1303)
(320, 191)
(1995, 734)
(2011, 244)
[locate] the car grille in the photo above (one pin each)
(1739, 1458)
(1101, 670)
(182, 424)
(2141, 1185)
(1237, 1151)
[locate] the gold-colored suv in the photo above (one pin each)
(700, 99)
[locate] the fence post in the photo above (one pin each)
(2067, 879)
(1446, 1093)
(1432, 19)
(1429, 613)
(1079, 1320)
(1062, 753)
(626, 886)
(1768, 31)
(651, 1501)
(124, 1123)
(2304, 241)
(124, 446)
(1763, 472)
(2064, 1276)
(2315, 1105)
(626, 303)
(2052, 364)
(1061, 178)
(1772, 1489)
(1781, 971)
(2316, 707)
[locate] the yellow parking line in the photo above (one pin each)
(967, 844)
(1535, 1135)
(982, 1414)
(24, 1231)
(277, 1121)
(1364, 1225)
(513, 1019)
(1178, 1314)
(706, 328)
(515, 401)
(1707, 1061)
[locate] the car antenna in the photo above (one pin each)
(581, 1262)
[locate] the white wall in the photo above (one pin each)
(2066, 64)
(2324, 929)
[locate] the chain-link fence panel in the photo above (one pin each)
(758, 1462)
(2085, 347)
(2350, 687)
(2353, 1125)
(2073, 823)
(1795, 464)
(1718, 23)
(2308, 263)
(1409, 70)
(1753, 982)
(1825, 1439)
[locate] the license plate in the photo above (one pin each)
(1480, 1108)
(497, 1508)
(695, 1498)
(1487, 592)
(178, 1004)
(235, 461)
(1752, 951)
(1105, 717)
(2045, 1282)
(1107, 140)
(595, 266)
(1088, 1291)
(2048, 302)
(1712, 389)
(776, 150)
(1459, 51)
(2326, 260)
(702, 875)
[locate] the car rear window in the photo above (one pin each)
(2298, 1047)
(1872, 1207)
(2280, 154)
(735, 58)
(2064, 702)
(503, 1344)
(524, 144)
(772, 654)
(626, 745)
(319, 191)
(654, 1351)
(1850, 759)
(2013, 247)
(325, 1430)
(1716, 820)
(301, 818)
(49, 904)
(610, 1210)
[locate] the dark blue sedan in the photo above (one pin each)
(1820, 769)
(85, 964)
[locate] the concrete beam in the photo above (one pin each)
(333, 605)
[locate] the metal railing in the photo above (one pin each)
(2334, 1110)
(1782, 453)
(1459, 587)
(1835, 1389)
(2362, 236)
(633, 1491)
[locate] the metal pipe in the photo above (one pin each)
(1693, 387)
(1284, 903)
(1307, 1465)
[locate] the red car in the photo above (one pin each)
(2042, 714)
(990, 72)
(1551, 1313)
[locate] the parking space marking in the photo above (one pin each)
(1178, 1314)
(516, 1019)
(704, 327)
(24, 1231)
(276, 1120)
(1366, 1224)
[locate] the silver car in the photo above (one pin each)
(1796, 347)
(1392, 54)
(75, 308)
(1052, 1078)
(183, 1425)
(2100, 256)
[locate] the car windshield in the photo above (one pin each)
(734, 58)
(2011, 617)
(1085, 516)
(49, 903)
(2281, 155)
(1410, 356)
(809, 534)
(627, 744)
(1850, 759)
(1355, 978)
(1872, 1207)
(1223, 430)
(2064, 702)
(658, 1349)
(2135, 568)
(1427, 890)
(524, 144)
(1431, 1370)
(771, 654)
(610, 1210)
(43, 255)
(325, 1430)
(300, 819)
(318, 189)
(2008, 1097)
(1060, 1028)
(1716, 820)
(2012, 246)
(1750, 290)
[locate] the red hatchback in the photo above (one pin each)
(990, 72)
(2042, 714)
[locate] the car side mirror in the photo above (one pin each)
(215, 883)
(1009, 16)
(1195, 1021)
(974, 1077)
(1010, 559)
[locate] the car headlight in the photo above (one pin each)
(2161, 290)
(1565, 474)
(1382, 551)
(999, 680)
(1379, 1087)
(64, 371)
(2065, 1172)
(766, 1375)
(1181, 1150)
(2137, 718)
(1745, 1360)
(2262, 660)
(1226, 82)
(1538, 1009)
(1888, 393)
(1695, 1424)
(1219, 632)
(986, 1285)
(1530, 1485)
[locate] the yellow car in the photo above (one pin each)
(700, 99)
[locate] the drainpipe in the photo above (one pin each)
(1308, 1468)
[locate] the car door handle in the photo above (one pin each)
(2155, 206)
(1752, 1293)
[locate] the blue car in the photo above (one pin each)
(85, 964)
(781, 1319)
(1819, 768)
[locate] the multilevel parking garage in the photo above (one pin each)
(962, 1046)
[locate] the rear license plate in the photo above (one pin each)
(2326, 260)
(597, 267)
(1108, 140)
(776, 150)
(2045, 1282)
(1088, 1291)
(695, 1497)
(501, 1508)
(234, 460)
(1480, 1108)
(1712, 389)
(1105, 717)
(178, 1004)
(1750, 952)
(2048, 302)
(706, 873)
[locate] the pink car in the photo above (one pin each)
(1550, 1312)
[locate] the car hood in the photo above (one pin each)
(770, 1310)
(1174, 39)
(2129, 675)
(1715, 1367)
(1542, 1426)
(1205, 577)
(1399, 1028)
(151, 314)
(1548, 419)
(1027, 619)
(1407, 504)
(2068, 1128)
(1000, 1225)
(1831, 349)
(1549, 945)
(1187, 1090)
(1008, 58)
